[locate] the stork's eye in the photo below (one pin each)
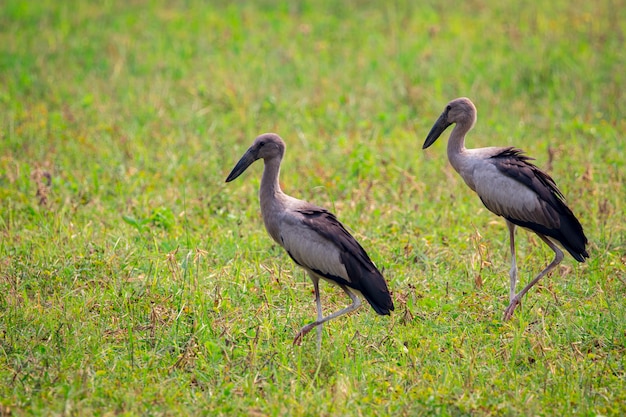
(261, 144)
(448, 107)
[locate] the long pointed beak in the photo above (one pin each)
(438, 128)
(246, 160)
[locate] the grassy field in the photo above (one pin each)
(135, 281)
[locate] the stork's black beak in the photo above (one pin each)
(246, 160)
(438, 128)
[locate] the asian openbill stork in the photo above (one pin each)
(313, 238)
(510, 186)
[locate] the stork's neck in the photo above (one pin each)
(270, 187)
(271, 197)
(456, 145)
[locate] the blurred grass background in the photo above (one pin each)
(135, 281)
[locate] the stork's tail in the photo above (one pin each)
(573, 237)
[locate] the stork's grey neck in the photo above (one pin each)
(271, 197)
(269, 181)
(456, 145)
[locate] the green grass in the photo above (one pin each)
(133, 280)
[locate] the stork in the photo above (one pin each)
(510, 186)
(313, 238)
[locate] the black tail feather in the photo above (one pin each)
(570, 234)
(370, 283)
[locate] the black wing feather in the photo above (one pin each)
(364, 276)
(513, 163)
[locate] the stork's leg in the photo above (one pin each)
(356, 303)
(513, 270)
(318, 302)
(558, 257)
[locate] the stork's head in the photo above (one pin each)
(460, 111)
(266, 146)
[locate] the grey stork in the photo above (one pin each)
(313, 238)
(510, 186)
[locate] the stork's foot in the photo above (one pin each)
(508, 313)
(298, 339)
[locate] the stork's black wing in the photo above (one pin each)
(565, 227)
(328, 249)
